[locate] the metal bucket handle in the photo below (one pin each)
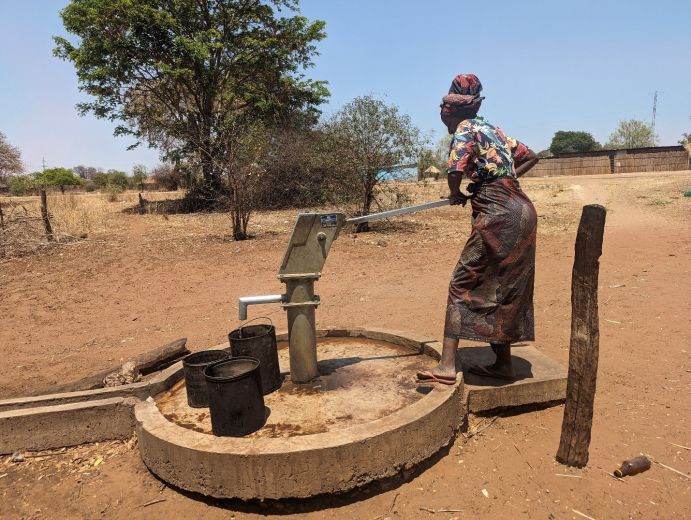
(254, 319)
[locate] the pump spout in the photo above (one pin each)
(246, 301)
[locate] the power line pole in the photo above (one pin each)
(652, 125)
(43, 164)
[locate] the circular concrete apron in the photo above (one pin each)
(364, 419)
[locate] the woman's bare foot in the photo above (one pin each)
(445, 371)
(494, 370)
(502, 368)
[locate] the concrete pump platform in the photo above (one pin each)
(364, 419)
(539, 379)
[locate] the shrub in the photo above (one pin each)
(167, 176)
(22, 184)
(112, 192)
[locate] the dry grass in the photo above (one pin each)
(73, 216)
(558, 202)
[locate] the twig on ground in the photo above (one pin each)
(614, 476)
(519, 451)
(582, 514)
(672, 469)
(679, 446)
(157, 501)
(443, 510)
(478, 431)
(393, 503)
(570, 476)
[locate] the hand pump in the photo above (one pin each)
(309, 245)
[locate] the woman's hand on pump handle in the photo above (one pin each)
(458, 198)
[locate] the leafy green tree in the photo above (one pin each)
(437, 157)
(100, 180)
(177, 74)
(10, 159)
(631, 133)
(374, 139)
(60, 177)
(118, 179)
(21, 184)
(139, 175)
(573, 142)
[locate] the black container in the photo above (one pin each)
(259, 342)
(194, 366)
(236, 402)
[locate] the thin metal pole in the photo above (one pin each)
(401, 211)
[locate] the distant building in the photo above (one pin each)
(600, 162)
(431, 173)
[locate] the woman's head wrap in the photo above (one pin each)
(463, 95)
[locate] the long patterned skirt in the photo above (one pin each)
(491, 289)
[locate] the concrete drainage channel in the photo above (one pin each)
(380, 438)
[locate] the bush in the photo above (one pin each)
(167, 176)
(22, 184)
(111, 178)
(112, 192)
(301, 170)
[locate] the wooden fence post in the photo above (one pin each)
(44, 216)
(585, 340)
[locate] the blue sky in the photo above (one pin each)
(545, 65)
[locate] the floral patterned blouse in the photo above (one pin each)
(481, 151)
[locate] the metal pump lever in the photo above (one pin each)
(400, 211)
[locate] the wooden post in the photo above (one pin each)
(44, 216)
(585, 340)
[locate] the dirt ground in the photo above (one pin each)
(78, 308)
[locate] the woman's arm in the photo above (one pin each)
(526, 163)
(455, 194)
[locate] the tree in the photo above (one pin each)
(437, 156)
(373, 139)
(685, 140)
(631, 133)
(178, 73)
(85, 172)
(167, 176)
(10, 159)
(139, 175)
(22, 184)
(117, 179)
(573, 142)
(545, 153)
(244, 172)
(57, 177)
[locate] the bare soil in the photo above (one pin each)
(147, 279)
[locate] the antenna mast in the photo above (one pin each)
(652, 125)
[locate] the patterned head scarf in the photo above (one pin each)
(464, 93)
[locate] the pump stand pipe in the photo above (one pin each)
(300, 304)
(246, 301)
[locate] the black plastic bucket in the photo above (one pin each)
(236, 402)
(259, 342)
(194, 366)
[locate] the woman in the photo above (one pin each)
(491, 289)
